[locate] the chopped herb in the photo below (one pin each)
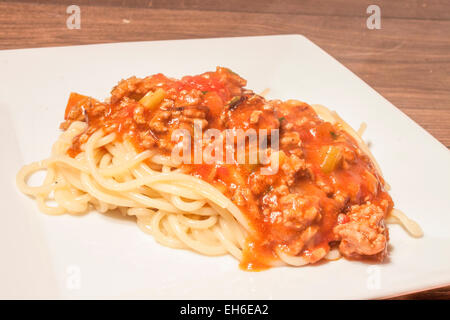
(204, 92)
(281, 119)
(333, 134)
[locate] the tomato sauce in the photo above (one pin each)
(322, 172)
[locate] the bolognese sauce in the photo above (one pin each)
(326, 194)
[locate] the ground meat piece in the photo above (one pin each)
(232, 80)
(169, 118)
(324, 186)
(138, 115)
(177, 115)
(195, 113)
(295, 114)
(192, 114)
(136, 88)
(124, 88)
(299, 211)
(250, 112)
(297, 245)
(96, 109)
(159, 120)
(292, 167)
(260, 183)
(341, 197)
(289, 168)
(290, 139)
(241, 195)
(362, 232)
(188, 97)
(75, 113)
(348, 156)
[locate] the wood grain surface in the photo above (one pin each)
(407, 60)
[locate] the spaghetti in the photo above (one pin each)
(114, 156)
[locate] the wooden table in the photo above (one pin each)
(407, 60)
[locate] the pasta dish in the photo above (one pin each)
(204, 163)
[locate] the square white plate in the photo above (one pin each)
(98, 256)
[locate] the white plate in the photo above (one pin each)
(97, 256)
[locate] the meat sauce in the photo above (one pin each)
(325, 194)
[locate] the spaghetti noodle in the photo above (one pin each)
(114, 156)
